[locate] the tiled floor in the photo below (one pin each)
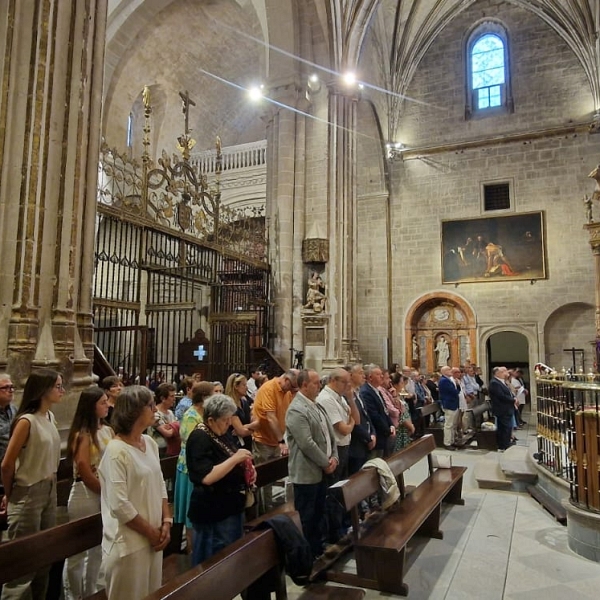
(500, 545)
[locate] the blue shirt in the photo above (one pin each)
(183, 405)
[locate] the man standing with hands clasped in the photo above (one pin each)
(311, 441)
(503, 406)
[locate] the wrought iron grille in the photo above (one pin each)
(168, 255)
(569, 436)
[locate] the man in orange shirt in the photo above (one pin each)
(270, 405)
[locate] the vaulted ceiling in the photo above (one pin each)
(215, 48)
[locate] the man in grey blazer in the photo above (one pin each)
(313, 454)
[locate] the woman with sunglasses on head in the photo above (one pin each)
(242, 424)
(136, 521)
(29, 472)
(88, 438)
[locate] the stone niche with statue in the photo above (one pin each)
(314, 311)
(440, 330)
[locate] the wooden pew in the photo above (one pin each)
(52, 546)
(236, 567)
(268, 473)
(425, 426)
(380, 545)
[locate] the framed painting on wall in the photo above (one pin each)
(494, 248)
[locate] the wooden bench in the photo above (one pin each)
(49, 548)
(268, 473)
(235, 568)
(379, 545)
(424, 424)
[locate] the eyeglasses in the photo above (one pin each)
(60, 386)
(151, 405)
(10, 388)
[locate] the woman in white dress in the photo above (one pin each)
(88, 438)
(135, 514)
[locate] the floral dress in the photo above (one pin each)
(183, 485)
(402, 435)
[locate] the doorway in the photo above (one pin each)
(509, 349)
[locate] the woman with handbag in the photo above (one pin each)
(222, 475)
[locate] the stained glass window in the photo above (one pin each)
(488, 71)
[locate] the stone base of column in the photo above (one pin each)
(583, 528)
(315, 328)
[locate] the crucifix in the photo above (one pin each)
(186, 103)
(573, 351)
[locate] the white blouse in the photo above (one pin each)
(132, 484)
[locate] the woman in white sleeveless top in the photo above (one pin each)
(29, 472)
(88, 438)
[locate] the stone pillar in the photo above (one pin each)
(594, 233)
(285, 216)
(342, 342)
(51, 73)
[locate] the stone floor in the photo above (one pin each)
(500, 545)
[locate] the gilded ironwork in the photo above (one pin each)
(173, 194)
(167, 248)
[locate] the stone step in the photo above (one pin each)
(509, 470)
(516, 464)
(489, 474)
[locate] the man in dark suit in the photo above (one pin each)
(376, 409)
(363, 437)
(503, 406)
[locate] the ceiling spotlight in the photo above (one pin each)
(349, 78)
(361, 86)
(255, 93)
(394, 150)
(313, 78)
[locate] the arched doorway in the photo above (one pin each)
(510, 349)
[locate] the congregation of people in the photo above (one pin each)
(330, 427)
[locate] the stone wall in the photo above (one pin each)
(547, 171)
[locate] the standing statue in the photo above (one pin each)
(589, 217)
(315, 296)
(595, 175)
(443, 352)
(415, 349)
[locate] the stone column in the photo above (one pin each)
(50, 107)
(285, 215)
(594, 232)
(342, 344)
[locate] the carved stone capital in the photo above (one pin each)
(594, 233)
(315, 250)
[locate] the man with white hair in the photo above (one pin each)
(331, 399)
(449, 398)
(503, 406)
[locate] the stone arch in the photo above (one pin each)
(571, 325)
(530, 332)
(432, 316)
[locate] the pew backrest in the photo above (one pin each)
(365, 483)
(39, 550)
(230, 571)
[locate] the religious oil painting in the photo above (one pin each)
(494, 248)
